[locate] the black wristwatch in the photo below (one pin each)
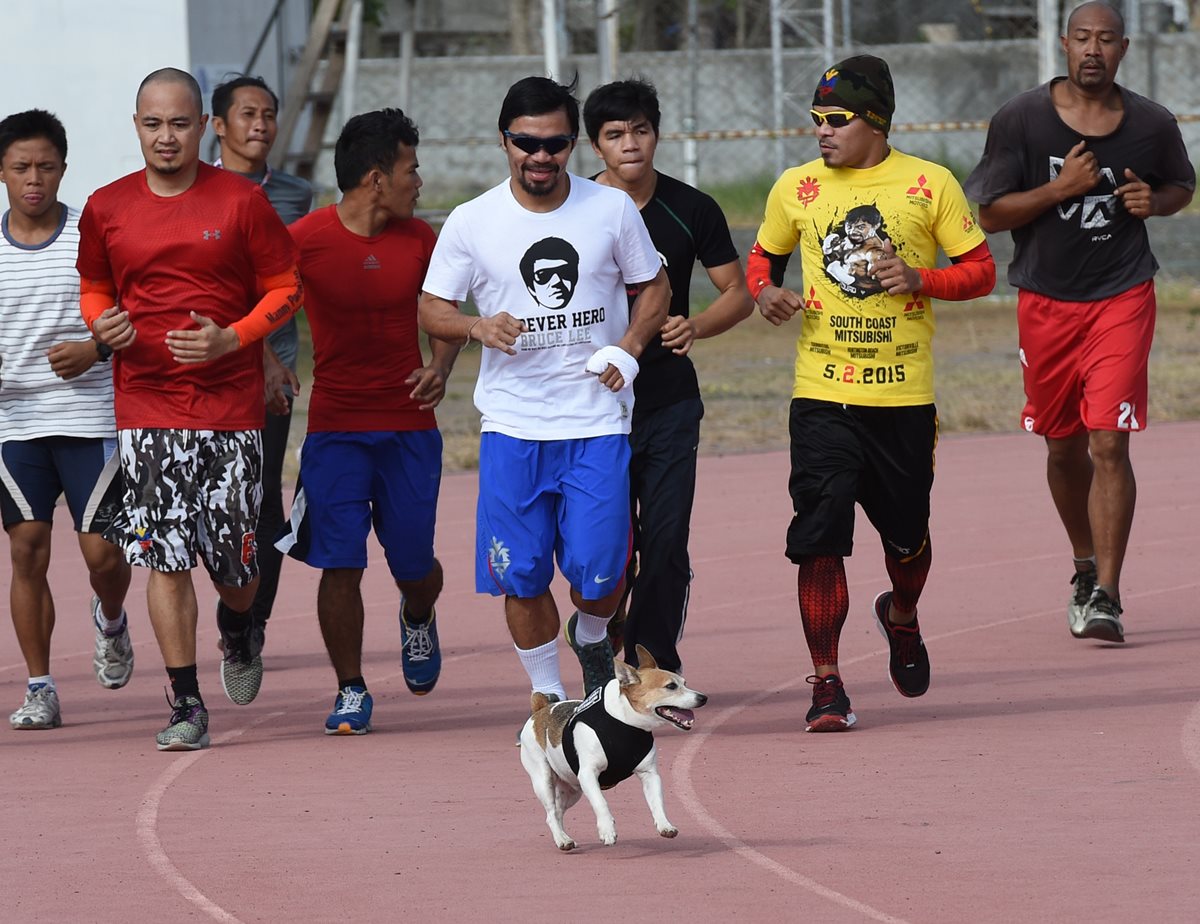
(104, 351)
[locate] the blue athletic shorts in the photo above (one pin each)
(35, 473)
(541, 500)
(351, 481)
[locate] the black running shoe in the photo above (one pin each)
(1103, 621)
(909, 663)
(830, 710)
(595, 659)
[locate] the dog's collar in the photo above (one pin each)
(624, 745)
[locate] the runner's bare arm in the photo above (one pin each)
(1080, 171)
(732, 305)
(441, 318)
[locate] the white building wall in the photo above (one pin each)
(83, 61)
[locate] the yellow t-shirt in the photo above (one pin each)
(857, 344)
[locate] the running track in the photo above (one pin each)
(1041, 778)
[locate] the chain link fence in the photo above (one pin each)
(951, 71)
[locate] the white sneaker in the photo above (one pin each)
(113, 660)
(39, 711)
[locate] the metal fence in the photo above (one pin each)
(946, 91)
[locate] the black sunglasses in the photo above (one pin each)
(531, 144)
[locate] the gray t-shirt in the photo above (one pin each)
(292, 198)
(1088, 247)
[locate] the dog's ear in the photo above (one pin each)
(626, 675)
(645, 659)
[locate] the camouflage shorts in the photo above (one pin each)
(191, 494)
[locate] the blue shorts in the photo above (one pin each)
(541, 500)
(35, 473)
(351, 481)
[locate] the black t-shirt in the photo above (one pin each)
(1088, 247)
(685, 225)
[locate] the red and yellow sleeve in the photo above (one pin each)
(283, 296)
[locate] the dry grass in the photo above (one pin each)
(746, 378)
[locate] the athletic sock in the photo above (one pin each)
(908, 577)
(184, 682)
(413, 619)
(45, 680)
(230, 621)
(109, 627)
(591, 629)
(824, 601)
(352, 682)
(1084, 565)
(541, 664)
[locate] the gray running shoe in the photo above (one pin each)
(188, 728)
(1103, 621)
(596, 659)
(1082, 585)
(241, 667)
(113, 660)
(40, 710)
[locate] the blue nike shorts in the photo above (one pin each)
(553, 499)
(351, 481)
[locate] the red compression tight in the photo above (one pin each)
(824, 602)
(908, 577)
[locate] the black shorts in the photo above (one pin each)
(879, 457)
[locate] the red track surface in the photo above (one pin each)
(1041, 778)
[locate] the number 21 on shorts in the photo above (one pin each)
(1127, 419)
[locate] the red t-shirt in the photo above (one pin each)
(199, 251)
(360, 295)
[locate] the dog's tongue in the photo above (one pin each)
(682, 716)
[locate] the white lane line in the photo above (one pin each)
(681, 770)
(146, 826)
(146, 822)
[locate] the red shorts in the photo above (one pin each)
(1084, 363)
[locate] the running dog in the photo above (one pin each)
(579, 748)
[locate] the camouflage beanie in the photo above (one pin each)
(862, 85)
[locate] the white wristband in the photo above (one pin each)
(613, 356)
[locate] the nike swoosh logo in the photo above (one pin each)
(602, 580)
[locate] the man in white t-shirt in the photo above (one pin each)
(547, 257)
(57, 433)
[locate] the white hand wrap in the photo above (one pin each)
(614, 356)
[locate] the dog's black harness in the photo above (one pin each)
(624, 746)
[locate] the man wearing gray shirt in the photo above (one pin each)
(243, 117)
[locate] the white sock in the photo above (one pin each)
(44, 680)
(541, 664)
(590, 629)
(108, 626)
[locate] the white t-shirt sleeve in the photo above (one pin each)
(450, 270)
(636, 254)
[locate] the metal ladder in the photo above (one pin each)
(326, 42)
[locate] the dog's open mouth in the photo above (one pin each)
(680, 718)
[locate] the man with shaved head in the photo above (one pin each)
(184, 269)
(1073, 169)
